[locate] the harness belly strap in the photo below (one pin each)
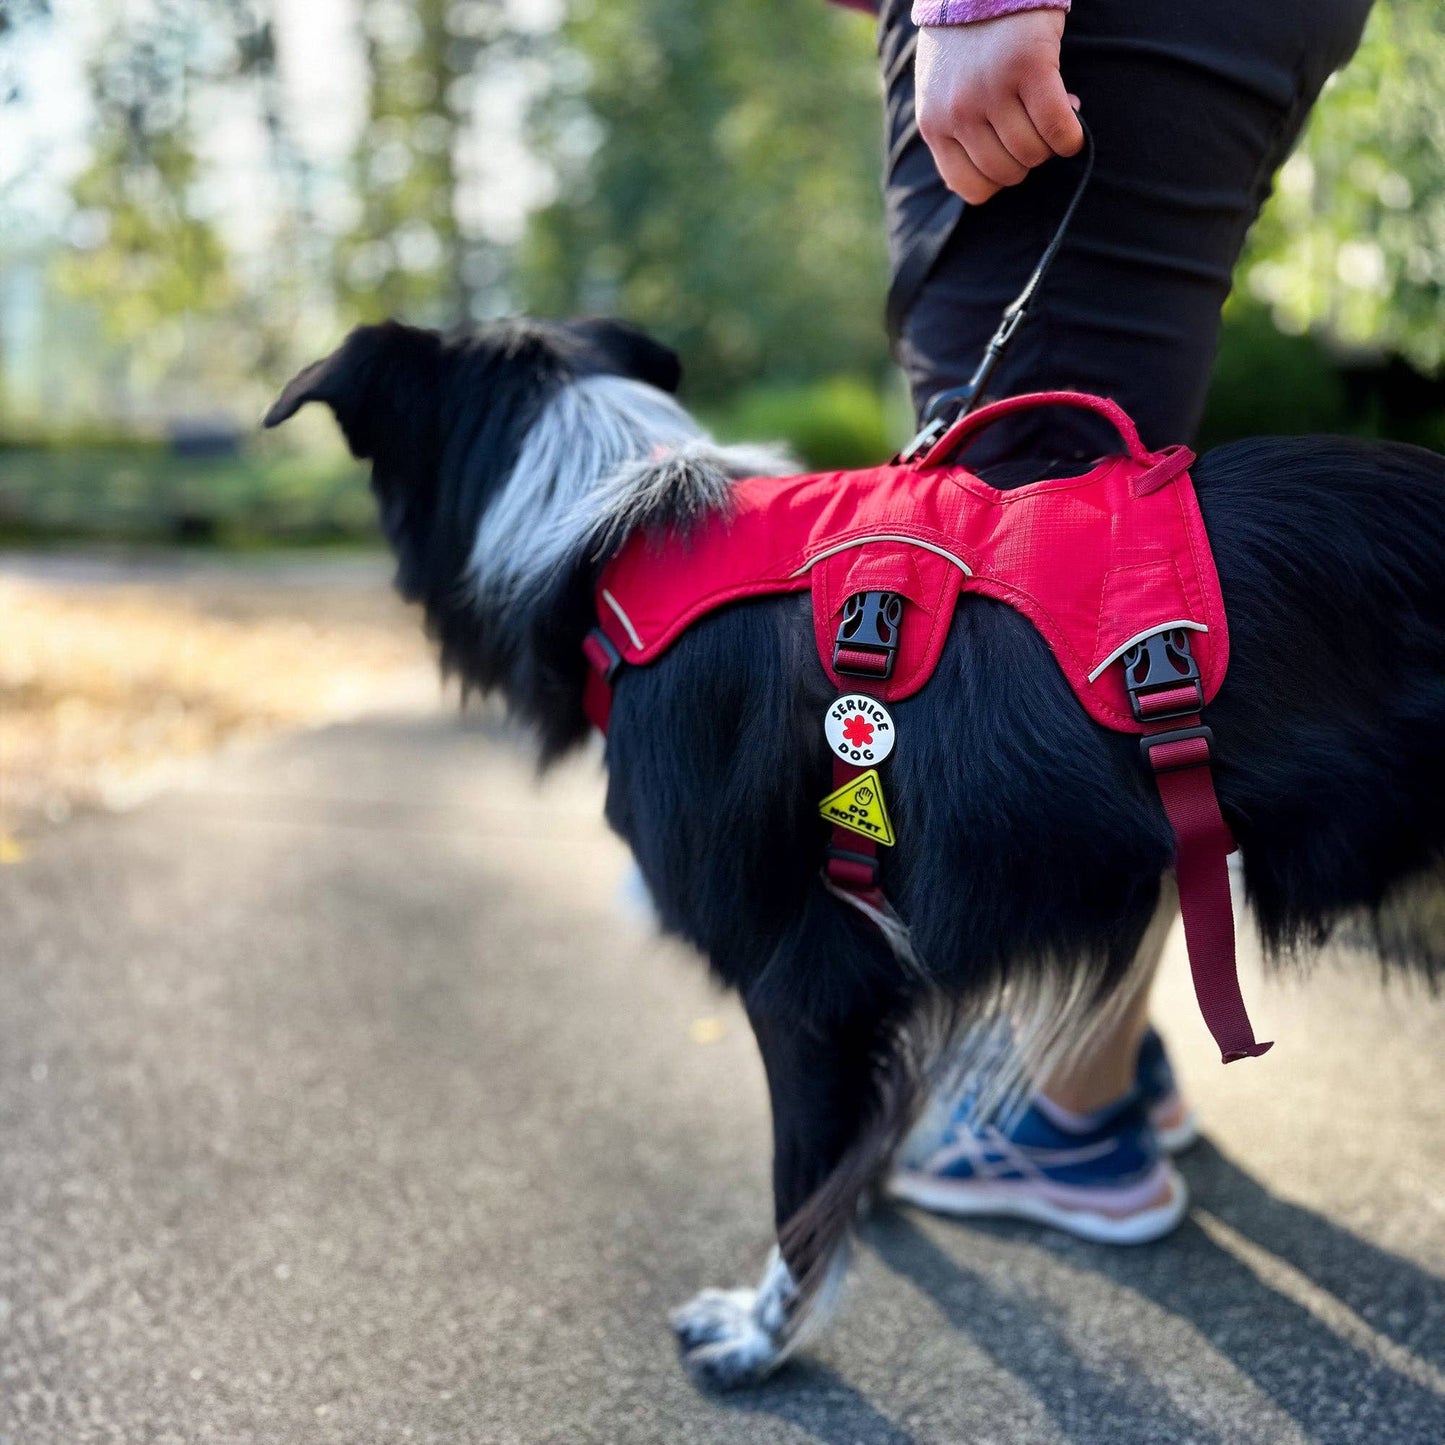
(1113, 568)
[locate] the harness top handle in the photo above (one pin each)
(973, 422)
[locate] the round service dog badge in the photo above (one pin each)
(859, 729)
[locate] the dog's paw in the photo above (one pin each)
(713, 1315)
(726, 1338)
(733, 1337)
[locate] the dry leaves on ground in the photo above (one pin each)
(103, 687)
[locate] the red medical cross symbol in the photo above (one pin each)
(858, 730)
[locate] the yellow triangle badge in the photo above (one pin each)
(859, 805)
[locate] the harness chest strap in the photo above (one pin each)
(863, 652)
(851, 862)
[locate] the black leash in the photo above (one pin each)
(946, 408)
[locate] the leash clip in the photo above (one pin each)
(867, 639)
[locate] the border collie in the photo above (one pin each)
(507, 465)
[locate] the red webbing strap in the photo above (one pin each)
(603, 661)
(1202, 844)
(852, 858)
(856, 662)
(973, 422)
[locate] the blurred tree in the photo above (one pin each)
(296, 269)
(149, 255)
(15, 15)
(409, 252)
(1353, 243)
(718, 173)
(149, 251)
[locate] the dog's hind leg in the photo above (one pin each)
(841, 1097)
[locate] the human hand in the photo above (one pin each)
(991, 102)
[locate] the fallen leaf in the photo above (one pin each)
(706, 1030)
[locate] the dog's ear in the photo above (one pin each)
(370, 382)
(631, 351)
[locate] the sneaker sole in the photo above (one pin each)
(1174, 1138)
(971, 1200)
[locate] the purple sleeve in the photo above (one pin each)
(965, 12)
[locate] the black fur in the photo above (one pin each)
(441, 420)
(1029, 837)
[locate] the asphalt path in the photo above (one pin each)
(344, 1097)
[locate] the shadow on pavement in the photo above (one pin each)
(1017, 1333)
(1399, 1299)
(816, 1399)
(1335, 1389)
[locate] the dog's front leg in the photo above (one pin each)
(830, 1139)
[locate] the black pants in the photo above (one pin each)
(1193, 105)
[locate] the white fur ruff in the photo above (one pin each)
(608, 454)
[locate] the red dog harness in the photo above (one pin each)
(1113, 568)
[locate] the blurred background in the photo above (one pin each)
(198, 196)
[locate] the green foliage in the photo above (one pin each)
(403, 257)
(718, 173)
(147, 254)
(1268, 382)
(138, 493)
(716, 179)
(155, 259)
(1353, 243)
(843, 421)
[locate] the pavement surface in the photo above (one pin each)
(343, 1099)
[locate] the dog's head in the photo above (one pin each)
(485, 449)
(442, 420)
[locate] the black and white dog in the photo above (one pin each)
(508, 463)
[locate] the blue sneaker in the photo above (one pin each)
(1175, 1123)
(1102, 1176)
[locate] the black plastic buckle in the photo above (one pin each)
(870, 625)
(602, 655)
(1159, 663)
(1148, 743)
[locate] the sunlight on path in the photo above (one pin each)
(107, 686)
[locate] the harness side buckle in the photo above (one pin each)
(867, 639)
(1162, 677)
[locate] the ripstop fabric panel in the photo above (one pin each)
(1095, 562)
